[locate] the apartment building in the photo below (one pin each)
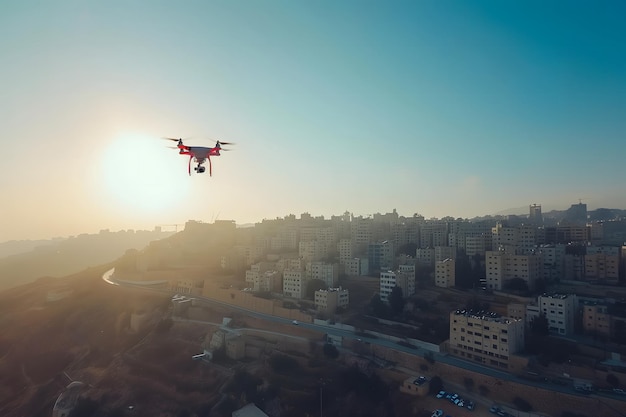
(602, 264)
(485, 337)
(501, 267)
(553, 262)
(346, 251)
(403, 278)
(425, 256)
(329, 273)
(258, 269)
(433, 233)
(445, 273)
(596, 319)
(356, 267)
(294, 283)
(328, 300)
(444, 252)
(380, 254)
(560, 311)
(312, 250)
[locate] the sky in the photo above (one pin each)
(436, 107)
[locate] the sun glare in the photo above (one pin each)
(140, 173)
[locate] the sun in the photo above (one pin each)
(141, 174)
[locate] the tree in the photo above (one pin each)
(435, 385)
(330, 351)
(539, 326)
(396, 300)
(378, 308)
(612, 380)
(522, 404)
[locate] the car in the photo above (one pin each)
(457, 401)
(441, 394)
(461, 403)
(502, 413)
(295, 322)
(470, 405)
(494, 409)
(437, 413)
(619, 391)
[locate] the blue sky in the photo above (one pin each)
(435, 107)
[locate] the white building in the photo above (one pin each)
(403, 278)
(560, 311)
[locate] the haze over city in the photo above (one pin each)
(439, 108)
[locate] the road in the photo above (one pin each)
(440, 357)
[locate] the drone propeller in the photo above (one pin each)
(225, 143)
(172, 139)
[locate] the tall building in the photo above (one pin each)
(380, 255)
(535, 217)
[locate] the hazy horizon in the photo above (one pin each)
(440, 108)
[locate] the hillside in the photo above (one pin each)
(71, 255)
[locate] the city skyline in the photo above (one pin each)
(437, 108)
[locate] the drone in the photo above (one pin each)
(199, 154)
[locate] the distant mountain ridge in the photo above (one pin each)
(68, 256)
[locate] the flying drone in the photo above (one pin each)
(199, 154)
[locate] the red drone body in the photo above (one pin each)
(199, 154)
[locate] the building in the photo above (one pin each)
(502, 267)
(445, 273)
(403, 278)
(560, 311)
(444, 252)
(535, 217)
(380, 255)
(328, 300)
(356, 267)
(602, 264)
(596, 319)
(415, 386)
(294, 283)
(484, 337)
(329, 273)
(425, 256)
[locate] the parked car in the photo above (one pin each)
(619, 391)
(437, 413)
(441, 394)
(470, 405)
